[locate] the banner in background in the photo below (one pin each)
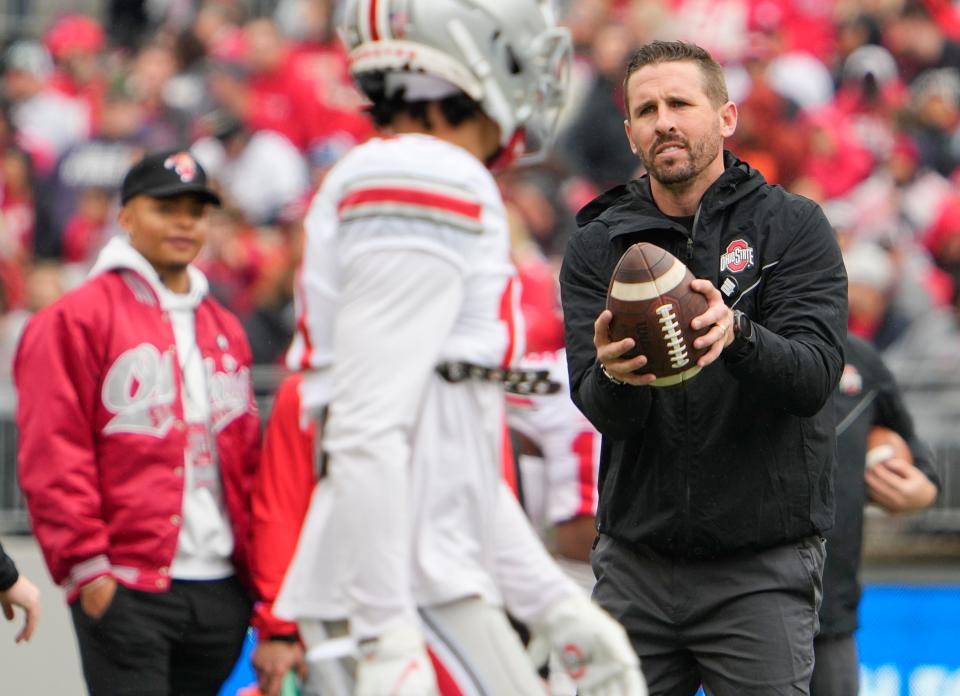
(909, 641)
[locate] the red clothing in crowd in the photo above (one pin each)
(280, 500)
(325, 67)
(304, 101)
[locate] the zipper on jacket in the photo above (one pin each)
(692, 237)
(685, 458)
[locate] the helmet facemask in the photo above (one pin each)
(503, 54)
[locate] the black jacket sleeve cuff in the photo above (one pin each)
(8, 572)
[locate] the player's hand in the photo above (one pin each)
(898, 486)
(96, 597)
(396, 663)
(591, 646)
(718, 316)
(609, 354)
(273, 659)
(23, 594)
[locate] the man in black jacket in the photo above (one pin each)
(714, 493)
(867, 396)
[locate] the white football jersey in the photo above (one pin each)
(412, 192)
(559, 482)
(407, 266)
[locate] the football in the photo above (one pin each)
(652, 303)
(884, 443)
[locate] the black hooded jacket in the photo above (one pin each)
(741, 457)
(867, 396)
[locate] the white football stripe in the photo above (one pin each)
(637, 292)
(676, 379)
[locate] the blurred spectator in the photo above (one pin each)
(98, 162)
(186, 90)
(584, 19)
(268, 89)
(126, 22)
(836, 160)
(870, 93)
(217, 27)
(871, 283)
(593, 142)
(542, 197)
(942, 239)
(9, 330)
(918, 42)
(318, 57)
(935, 117)
(915, 340)
(41, 287)
(853, 32)
(48, 121)
(165, 123)
(232, 260)
(271, 322)
(893, 205)
(802, 78)
(75, 43)
(17, 205)
(770, 135)
(539, 290)
(86, 231)
(260, 172)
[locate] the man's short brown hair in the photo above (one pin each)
(655, 52)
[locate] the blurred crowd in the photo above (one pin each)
(854, 103)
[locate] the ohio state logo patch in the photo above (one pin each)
(737, 257)
(851, 382)
(183, 166)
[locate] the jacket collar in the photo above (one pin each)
(119, 255)
(630, 207)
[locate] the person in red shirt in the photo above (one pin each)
(75, 43)
(282, 493)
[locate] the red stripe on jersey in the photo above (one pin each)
(583, 447)
(446, 684)
(507, 310)
(425, 199)
(520, 401)
(508, 465)
(302, 325)
(374, 33)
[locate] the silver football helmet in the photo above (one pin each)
(507, 55)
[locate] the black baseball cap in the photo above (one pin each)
(167, 174)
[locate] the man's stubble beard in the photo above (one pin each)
(696, 158)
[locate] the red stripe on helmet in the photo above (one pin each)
(374, 32)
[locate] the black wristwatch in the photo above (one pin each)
(743, 336)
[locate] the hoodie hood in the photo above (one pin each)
(633, 202)
(119, 254)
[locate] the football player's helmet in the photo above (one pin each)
(507, 55)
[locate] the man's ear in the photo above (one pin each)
(123, 219)
(728, 119)
(626, 129)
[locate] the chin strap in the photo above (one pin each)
(507, 154)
